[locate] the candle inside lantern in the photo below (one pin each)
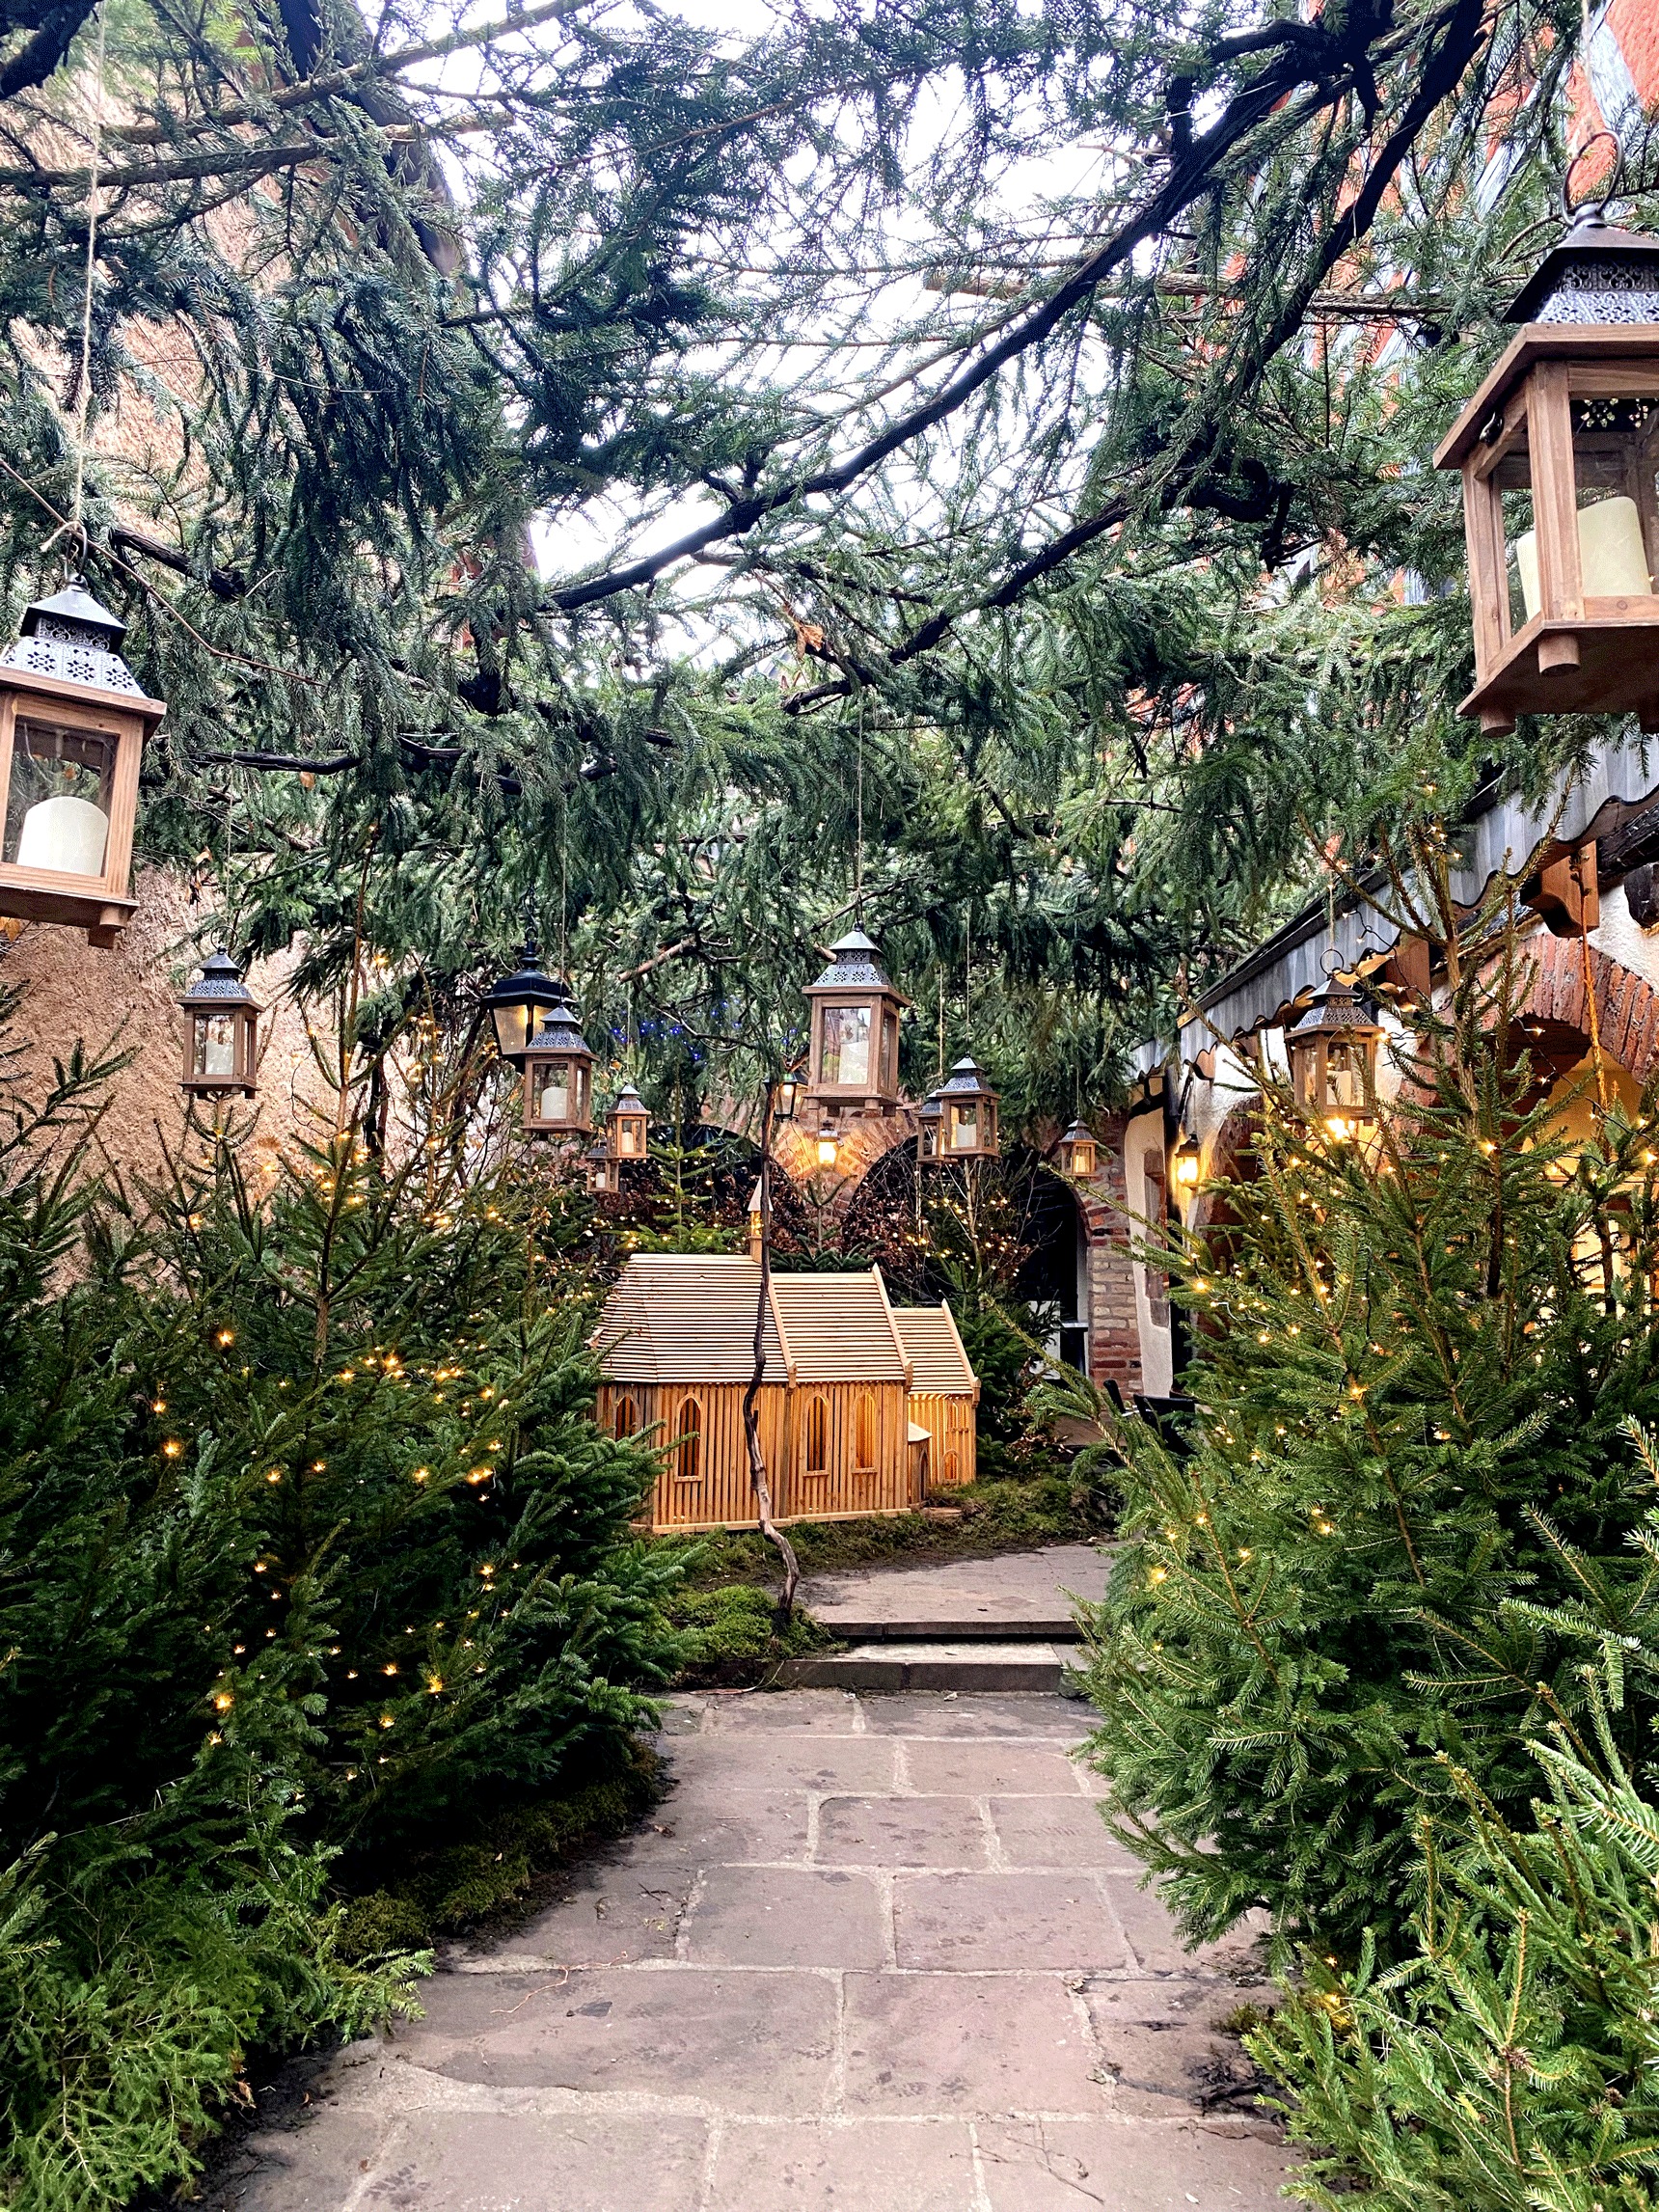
(1612, 558)
(552, 1092)
(63, 834)
(215, 1044)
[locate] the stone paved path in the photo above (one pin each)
(1012, 1593)
(874, 1954)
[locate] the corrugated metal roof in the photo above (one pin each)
(937, 1360)
(690, 1317)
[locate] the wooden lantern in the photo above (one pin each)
(1079, 1153)
(557, 1078)
(72, 724)
(517, 1001)
(221, 1032)
(930, 1125)
(968, 1105)
(854, 1058)
(604, 1172)
(1333, 1060)
(628, 1125)
(1559, 450)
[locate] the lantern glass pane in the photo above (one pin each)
(889, 1053)
(628, 1136)
(550, 1090)
(846, 1044)
(512, 1027)
(965, 1126)
(1345, 1073)
(1083, 1160)
(1615, 459)
(1514, 479)
(57, 803)
(215, 1052)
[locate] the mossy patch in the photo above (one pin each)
(498, 1863)
(733, 1634)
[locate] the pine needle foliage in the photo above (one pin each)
(308, 1548)
(1402, 1511)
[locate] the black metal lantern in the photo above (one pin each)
(930, 1125)
(221, 1031)
(517, 1001)
(756, 1224)
(557, 1077)
(628, 1125)
(786, 1096)
(1333, 1060)
(1559, 451)
(854, 1059)
(1079, 1153)
(970, 1108)
(73, 718)
(1186, 1163)
(827, 1146)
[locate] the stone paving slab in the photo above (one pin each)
(869, 1955)
(1014, 1594)
(981, 1665)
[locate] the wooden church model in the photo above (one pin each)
(862, 1408)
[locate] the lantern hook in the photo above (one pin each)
(1591, 210)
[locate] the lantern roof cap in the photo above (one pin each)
(528, 982)
(219, 985)
(1080, 1133)
(560, 1035)
(70, 636)
(930, 1107)
(74, 603)
(1336, 1011)
(968, 1076)
(1596, 273)
(855, 963)
(627, 1100)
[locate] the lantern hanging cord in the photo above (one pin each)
(858, 847)
(83, 378)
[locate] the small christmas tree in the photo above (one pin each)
(1407, 1495)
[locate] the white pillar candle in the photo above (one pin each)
(63, 834)
(1612, 558)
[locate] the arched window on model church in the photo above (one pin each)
(689, 1451)
(625, 1420)
(864, 1433)
(818, 1437)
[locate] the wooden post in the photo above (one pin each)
(757, 1473)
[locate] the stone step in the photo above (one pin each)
(935, 1665)
(1055, 1626)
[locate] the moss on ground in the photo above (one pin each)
(732, 1629)
(481, 1874)
(1000, 1514)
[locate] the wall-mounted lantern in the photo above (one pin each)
(72, 724)
(557, 1078)
(1332, 1052)
(221, 1031)
(828, 1146)
(1185, 1165)
(517, 1001)
(1559, 450)
(1079, 1153)
(969, 1108)
(628, 1125)
(852, 1061)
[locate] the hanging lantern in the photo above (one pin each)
(756, 1225)
(1333, 1060)
(1559, 451)
(1077, 1153)
(604, 1172)
(628, 1125)
(854, 1058)
(221, 1031)
(72, 725)
(518, 1001)
(930, 1125)
(1186, 1163)
(829, 1148)
(786, 1096)
(969, 1107)
(557, 1077)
